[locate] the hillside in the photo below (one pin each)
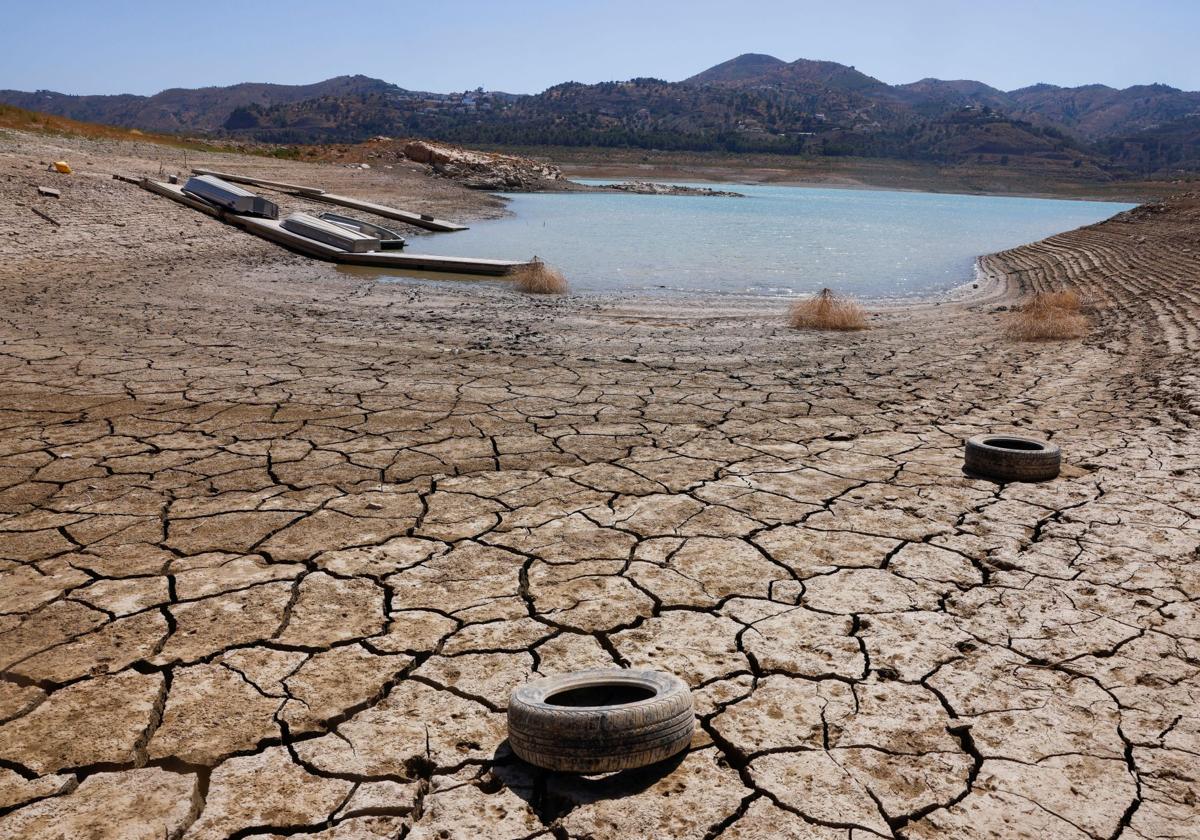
(752, 103)
(187, 110)
(20, 119)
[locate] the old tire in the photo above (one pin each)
(600, 720)
(1012, 458)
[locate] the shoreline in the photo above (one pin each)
(854, 173)
(733, 179)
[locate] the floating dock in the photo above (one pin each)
(273, 230)
(420, 220)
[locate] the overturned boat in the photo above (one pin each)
(230, 197)
(388, 239)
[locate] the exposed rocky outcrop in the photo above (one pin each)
(483, 170)
(652, 188)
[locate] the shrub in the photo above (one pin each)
(1048, 316)
(826, 311)
(537, 278)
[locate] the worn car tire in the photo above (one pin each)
(1012, 458)
(600, 720)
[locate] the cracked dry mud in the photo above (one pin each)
(276, 541)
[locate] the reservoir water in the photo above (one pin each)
(776, 241)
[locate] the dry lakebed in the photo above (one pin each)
(277, 541)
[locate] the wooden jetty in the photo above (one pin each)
(420, 220)
(273, 230)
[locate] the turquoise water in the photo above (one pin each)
(776, 241)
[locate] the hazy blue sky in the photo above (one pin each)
(524, 46)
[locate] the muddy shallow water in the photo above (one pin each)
(774, 241)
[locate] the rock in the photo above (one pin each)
(330, 609)
(111, 648)
(223, 621)
(764, 820)
(97, 721)
(806, 643)
(414, 723)
(482, 170)
(125, 596)
(52, 625)
(146, 804)
(16, 790)
(651, 188)
(866, 591)
(211, 713)
(499, 807)
(266, 790)
(488, 676)
(355, 828)
(814, 784)
(696, 647)
(785, 712)
(685, 799)
(333, 681)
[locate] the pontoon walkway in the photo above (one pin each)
(420, 220)
(272, 229)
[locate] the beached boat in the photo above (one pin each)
(230, 196)
(388, 239)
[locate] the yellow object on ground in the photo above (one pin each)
(62, 166)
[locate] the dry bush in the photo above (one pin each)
(1048, 316)
(826, 311)
(537, 278)
(1067, 299)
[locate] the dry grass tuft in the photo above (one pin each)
(1048, 316)
(826, 311)
(537, 278)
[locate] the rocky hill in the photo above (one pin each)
(188, 110)
(752, 103)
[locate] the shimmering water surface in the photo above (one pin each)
(775, 241)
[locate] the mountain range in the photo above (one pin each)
(752, 103)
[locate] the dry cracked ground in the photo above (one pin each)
(277, 540)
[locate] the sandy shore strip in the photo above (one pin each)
(277, 540)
